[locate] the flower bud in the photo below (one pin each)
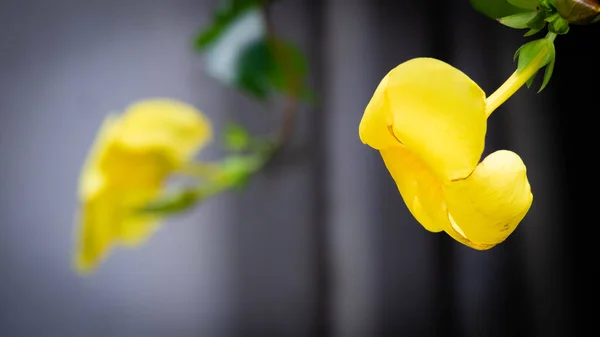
(579, 12)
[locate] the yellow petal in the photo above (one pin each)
(374, 127)
(419, 187)
(136, 230)
(108, 219)
(165, 123)
(439, 114)
(136, 227)
(129, 168)
(489, 204)
(95, 232)
(91, 179)
(422, 193)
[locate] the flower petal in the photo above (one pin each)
(165, 123)
(439, 114)
(132, 168)
(111, 218)
(376, 122)
(95, 233)
(419, 187)
(91, 179)
(489, 204)
(136, 227)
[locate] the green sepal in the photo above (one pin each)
(529, 51)
(549, 69)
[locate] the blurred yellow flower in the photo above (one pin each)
(133, 155)
(428, 120)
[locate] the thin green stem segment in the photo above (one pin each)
(515, 81)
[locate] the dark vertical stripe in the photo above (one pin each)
(322, 304)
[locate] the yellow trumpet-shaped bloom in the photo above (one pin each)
(133, 155)
(428, 120)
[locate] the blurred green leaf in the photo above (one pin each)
(291, 67)
(309, 95)
(268, 65)
(244, 58)
(236, 137)
(254, 69)
(224, 55)
(519, 20)
(495, 8)
(237, 170)
(228, 12)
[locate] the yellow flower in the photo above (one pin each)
(428, 120)
(126, 168)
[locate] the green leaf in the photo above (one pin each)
(525, 4)
(309, 95)
(173, 202)
(519, 20)
(226, 15)
(277, 65)
(243, 57)
(236, 43)
(495, 8)
(236, 137)
(255, 65)
(291, 67)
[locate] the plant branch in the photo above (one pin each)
(291, 99)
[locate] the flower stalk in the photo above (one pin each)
(543, 56)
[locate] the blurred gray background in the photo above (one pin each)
(320, 245)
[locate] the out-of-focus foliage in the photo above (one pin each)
(225, 15)
(242, 51)
(236, 137)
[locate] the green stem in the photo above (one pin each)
(516, 81)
